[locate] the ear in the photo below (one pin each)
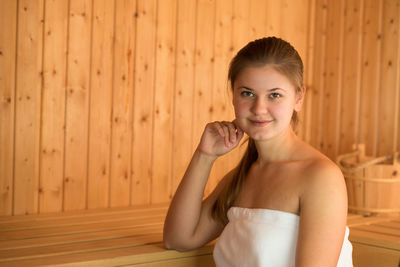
(299, 99)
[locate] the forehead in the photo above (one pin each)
(262, 78)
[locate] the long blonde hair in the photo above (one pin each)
(283, 57)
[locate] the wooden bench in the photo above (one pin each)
(132, 237)
(109, 237)
(375, 240)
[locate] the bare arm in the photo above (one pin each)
(189, 224)
(323, 213)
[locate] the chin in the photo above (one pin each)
(261, 137)
(259, 134)
(263, 134)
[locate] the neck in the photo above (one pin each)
(279, 148)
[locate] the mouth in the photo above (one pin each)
(260, 123)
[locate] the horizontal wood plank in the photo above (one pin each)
(133, 237)
(80, 219)
(113, 257)
(366, 255)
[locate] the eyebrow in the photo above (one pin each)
(271, 90)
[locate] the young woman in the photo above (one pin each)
(285, 204)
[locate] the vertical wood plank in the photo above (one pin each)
(8, 25)
(240, 22)
(257, 19)
(331, 118)
(372, 40)
(143, 101)
(397, 86)
(53, 108)
(293, 29)
(28, 106)
(77, 105)
(273, 20)
(351, 76)
(221, 95)
(388, 101)
(100, 104)
(309, 74)
(163, 100)
(240, 37)
(319, 70)
(121, 157)
(204, 60)
(184, 87)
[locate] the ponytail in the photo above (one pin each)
(229, 194)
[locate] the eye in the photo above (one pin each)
(275, 95)
(246, 93)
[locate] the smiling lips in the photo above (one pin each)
(260, 123)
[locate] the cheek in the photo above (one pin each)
(282, 111)
(240, 108)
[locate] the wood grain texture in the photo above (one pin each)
(182, 146)
(103, 102)
(318, 81)
(350, 82)
(222, 108)
(132, 237)
(27, 118)
(333, 71)
(163, 101)
(100, 104)
(143, 103)
(204, 62)
(388, 94)
(77, 105)
(369, 106)
(122, 106)
(52, 147)
(8, 35)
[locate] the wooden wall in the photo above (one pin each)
(103, 102)
(355, 85)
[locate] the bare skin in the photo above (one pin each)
(289, 175)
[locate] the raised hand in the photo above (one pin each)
(219, 138)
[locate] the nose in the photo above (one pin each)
(259, 106)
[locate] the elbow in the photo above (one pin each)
(174, 244)
(169, 242)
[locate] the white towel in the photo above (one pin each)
(263, 237)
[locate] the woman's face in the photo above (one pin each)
(264, 101)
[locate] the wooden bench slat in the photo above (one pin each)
(112, 257)
(353, 216)
(366, 220)
(72, 229)
(76, 221)
(391, 224)
(379, 229)
(367, 255)
(80, 237)
(86, 246)
(376, 239)
(131, 237)
(79, 213)
(204, 260)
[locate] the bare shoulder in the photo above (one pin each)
(322, 175)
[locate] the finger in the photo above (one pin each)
(236, 124)
(239, 134)
(232, 131)
(226, 131)
(219, 128)
(239, 131)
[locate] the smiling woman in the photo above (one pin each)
(262, 96)
(285, 204)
